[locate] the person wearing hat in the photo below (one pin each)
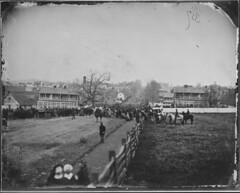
(176, 115)
(73, 113)
(102, 129)
(69, 178)
(56, 176)
(82, 174)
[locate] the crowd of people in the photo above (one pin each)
(118, 111)
(159, 116)
(22, 113)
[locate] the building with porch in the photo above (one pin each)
(189, 96)
(53, 97)
(167, 99)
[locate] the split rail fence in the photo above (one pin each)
(116, 169)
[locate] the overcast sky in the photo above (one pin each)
(185, 43)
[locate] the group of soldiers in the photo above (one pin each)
(159, 116)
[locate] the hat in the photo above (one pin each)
(68, 168)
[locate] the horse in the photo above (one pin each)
(110, 113)
(187, 117)
(88, 111)
(98, 112)
(172, 117)
(151, 114)
(160, 117)
(143, 114)
(118, 113)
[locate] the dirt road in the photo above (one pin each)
(98, 158)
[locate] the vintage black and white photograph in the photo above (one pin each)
(119, 95)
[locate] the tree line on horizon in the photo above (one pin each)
(93, 90)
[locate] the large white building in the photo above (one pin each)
(189, 96)
(57, 98)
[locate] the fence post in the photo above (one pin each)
(137, 135)
(111, 155)
(131, 142)
(128, 135)
(124, 141)
(127, 148)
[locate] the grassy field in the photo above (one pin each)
(185, 155)
(33, 146)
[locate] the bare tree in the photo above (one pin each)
(93, 89)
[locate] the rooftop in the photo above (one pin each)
(168, 95)
(188, 90)
(25, 98)
(51, 90)
(14, 89)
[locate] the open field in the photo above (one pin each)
(185, 155)
(34, 146)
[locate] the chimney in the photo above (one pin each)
(84, 80)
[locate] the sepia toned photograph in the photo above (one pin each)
(119, 96)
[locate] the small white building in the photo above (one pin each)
(120, 96)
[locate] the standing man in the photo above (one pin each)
(137, 118)
(102, 129)
(73, 113)
(176, 115)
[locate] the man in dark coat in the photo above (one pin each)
(176, 115)
(130, 115)
(82, 174)
(137, 118)
(73, 113)
(102, 129)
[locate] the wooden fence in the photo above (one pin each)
(116, 169)
(202, 110)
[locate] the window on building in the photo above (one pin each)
(73, 97)
(42, 95)
(64, 97)
(45, 103)
(40, 104)
(47, 96)
(56, 96)
(195, 95)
